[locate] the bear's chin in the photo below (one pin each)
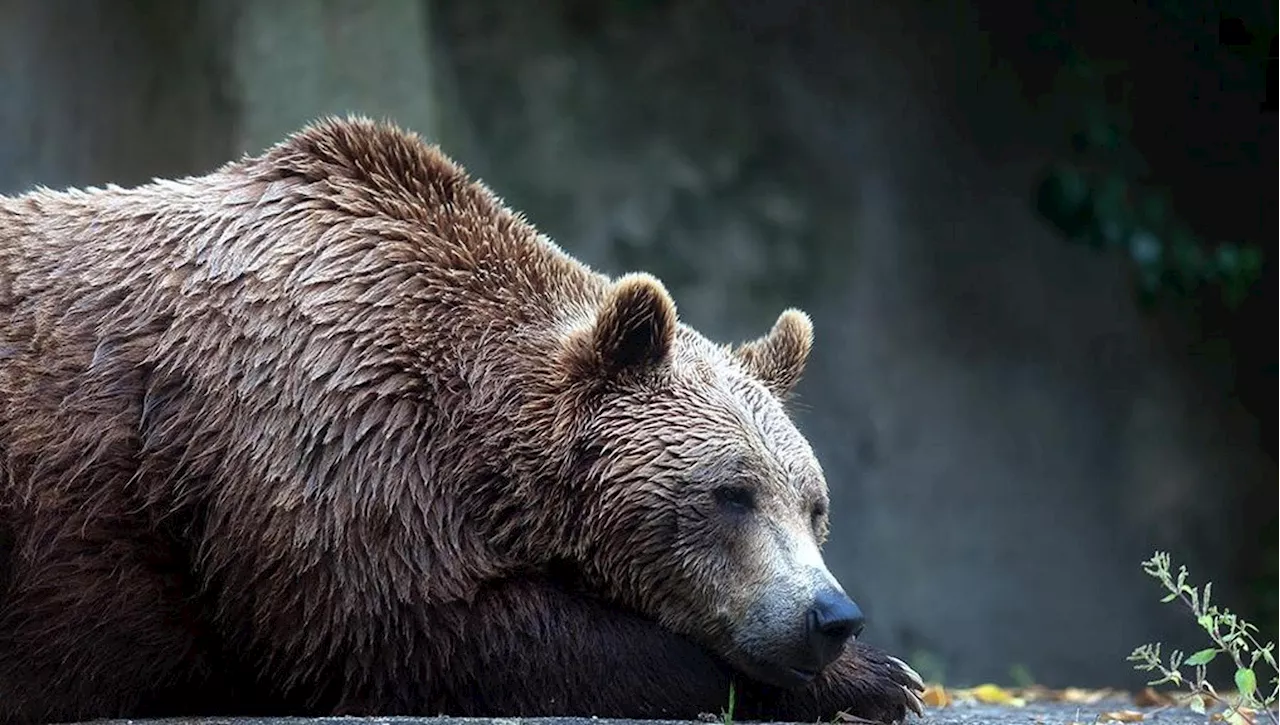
(773, 673)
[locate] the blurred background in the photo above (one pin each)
(1037, 240)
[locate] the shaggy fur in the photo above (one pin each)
(331, 430)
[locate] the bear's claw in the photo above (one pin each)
(914, 702)
(915, 676)
(863, 685)
(910, 686)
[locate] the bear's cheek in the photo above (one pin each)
(736, 572)
(697, 580)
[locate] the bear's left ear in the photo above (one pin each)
(635, 328)
(778, 359)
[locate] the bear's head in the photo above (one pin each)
(705, 507)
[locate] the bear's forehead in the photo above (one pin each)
(698, 358)
(735, 422)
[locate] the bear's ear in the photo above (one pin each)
(635, 327)
(778, 359)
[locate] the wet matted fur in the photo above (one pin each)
(330, 429)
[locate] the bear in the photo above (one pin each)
(331, 430)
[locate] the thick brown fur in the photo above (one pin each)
(331, 430)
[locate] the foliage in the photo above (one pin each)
(1231, 636)
(1097, 196)
(726, 716)
(1107, 210)
(1133, 118)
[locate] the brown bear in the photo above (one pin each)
(331, 430)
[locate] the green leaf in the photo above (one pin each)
(1110, 197)
(1154, 209)
(1228, 258)
(1145, 248)
(1246, 681)
(1170, 598)
(1063, 199)
(1203, 657)
(1046, 40)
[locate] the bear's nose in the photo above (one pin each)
(832, 620)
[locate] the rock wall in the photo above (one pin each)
(1005, 435)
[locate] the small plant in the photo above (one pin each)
(726, 715)
(1231, 636)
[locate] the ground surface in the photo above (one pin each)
(1032, 714)
(1054, 713)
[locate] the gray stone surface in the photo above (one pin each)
(1034, 714)
(1051, 714)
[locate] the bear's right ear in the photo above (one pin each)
(778, 359)
(635, 328)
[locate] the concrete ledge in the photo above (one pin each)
(1033, 714)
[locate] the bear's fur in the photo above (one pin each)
(331, 430)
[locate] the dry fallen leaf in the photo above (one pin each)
(1034, 693)
(1240, 716)
(1122, 716)
(1150, 698)
(1081, 696)
(935, 696)
(996, 695)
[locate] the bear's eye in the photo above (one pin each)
(736, 498)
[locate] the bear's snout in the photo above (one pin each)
(800, 620)
(832, 620)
